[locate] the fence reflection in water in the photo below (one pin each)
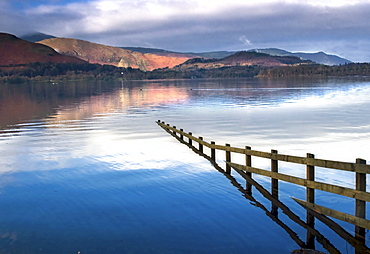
(312, 210)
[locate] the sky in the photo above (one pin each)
(340, 27)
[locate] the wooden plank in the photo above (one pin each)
(335, 214)
(359, 245)
(365, 196)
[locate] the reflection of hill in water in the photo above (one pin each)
(76, 101)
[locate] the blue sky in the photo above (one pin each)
(340, 27)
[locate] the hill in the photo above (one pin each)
(35, 37)
(215, 54)
(242, 58)
(319, 57)
(161, 52)
(15, 52)
(119, 57)
(208, 55)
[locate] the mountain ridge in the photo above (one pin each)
(15, 52)
(35, 37)
(242, 58)
(318, 57)
(116, 56)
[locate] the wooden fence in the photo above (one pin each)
(360, 170)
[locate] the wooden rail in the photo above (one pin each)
(360, 169)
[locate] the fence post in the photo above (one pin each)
(190, 140)
(174, 132)
(360, 204)
(310, 197)
(248, 163)
(181, 135)
(228, 159)
(200, 145)
(274, 182)
(213, 152)
(310, 175)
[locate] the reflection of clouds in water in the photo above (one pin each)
(112, 149)
(357, 95)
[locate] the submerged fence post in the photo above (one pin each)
(248, 163)
(274, 182)
(213, 152)
(228, 159)
(310, 197)
(190, 140)
(360, 204)
(200, 145)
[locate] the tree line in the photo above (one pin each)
(350, 69)
(75, 71)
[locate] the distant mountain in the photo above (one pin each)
(103, 54)
(15, 51)
(319, 57)
(161, 52)
(215, 54)
(208, 55)
(35, 37)
(242, 58)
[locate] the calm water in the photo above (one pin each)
(85, 168)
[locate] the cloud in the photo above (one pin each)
(245, 40)
(189, 25)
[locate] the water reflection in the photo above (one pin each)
(358, 242)
(87, 160)
(77, 101)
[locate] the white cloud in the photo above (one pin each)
(245, 40)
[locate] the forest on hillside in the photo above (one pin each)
(350, 69)
(86, 71)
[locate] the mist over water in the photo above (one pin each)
(85, 168)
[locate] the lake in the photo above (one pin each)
(86, 169)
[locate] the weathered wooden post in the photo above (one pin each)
(174, 132)
(248, 163)
(310, 198)
(274, 182)
(181, 135)
(228, 159)
(213, 152)
(190, 140)
(360, 204)
(310, 175)
(200, 145)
